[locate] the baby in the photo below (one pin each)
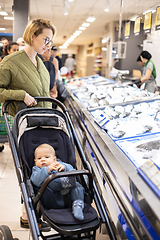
(47, 163)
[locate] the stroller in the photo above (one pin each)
(35, 126)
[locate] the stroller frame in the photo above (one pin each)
(81, 230)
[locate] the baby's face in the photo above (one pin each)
(44, 157)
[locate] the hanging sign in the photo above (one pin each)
(137, 25)
(158, 18)
(127, 30)
(147, 22)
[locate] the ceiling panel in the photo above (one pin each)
(77, 13)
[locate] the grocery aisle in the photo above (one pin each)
(10, 200)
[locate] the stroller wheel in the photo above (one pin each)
(1, 148)
(5, 233)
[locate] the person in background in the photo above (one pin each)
(54, 53)
(47, 163)
(54, 60)
(11, 48)
(70, 63)
(140, 63)
(21, 43)
(4, 43)
(148, 74)
(46, 58)
(23, 76)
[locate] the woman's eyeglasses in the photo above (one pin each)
(48, 41)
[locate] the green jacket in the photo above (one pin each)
(19, 75)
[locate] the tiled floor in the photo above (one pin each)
(10, 204)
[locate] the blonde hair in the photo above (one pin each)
(45, 145)
(36, 27)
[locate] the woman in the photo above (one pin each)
(11, 48)
(149, 72)
(23, 75)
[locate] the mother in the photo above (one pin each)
(23, 75)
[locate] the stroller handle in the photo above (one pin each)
(38, 99)
(62, 174)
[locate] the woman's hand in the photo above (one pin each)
(29, 100)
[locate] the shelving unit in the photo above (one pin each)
(98, 61)
(98, 64)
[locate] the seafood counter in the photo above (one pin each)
(96, 91)
(119, 129)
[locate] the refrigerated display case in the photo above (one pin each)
(130, 195)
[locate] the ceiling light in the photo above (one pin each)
(3, 13)
(133, 18)
(104, 49)
(85, 24)
(65, 11)
(107, 6)
(77, 33)
(2, 29)
(72, 37)
(70, 0)
(104, 40)
(9, 18)
(66, 4)
(150, 10)
(91, 19)
(63, 47)
(82, 28)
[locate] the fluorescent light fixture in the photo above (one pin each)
(66, 4)
(3, 13)
(72, 37)
(82, 28)
(9, 18)
(77, 33)
(70, 0)
(85, 24)
(133, 18)
(69, 40)
(107, 6)
(63, 47)
(104, 49)
(2, 29)
(65, 11)
(150, 10)
(104, 40)
(91, 19)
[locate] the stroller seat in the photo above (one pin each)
(36, 126)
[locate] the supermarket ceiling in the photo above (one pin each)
(78, 12)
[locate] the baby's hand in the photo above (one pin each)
(54, 166)
(61, 168)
